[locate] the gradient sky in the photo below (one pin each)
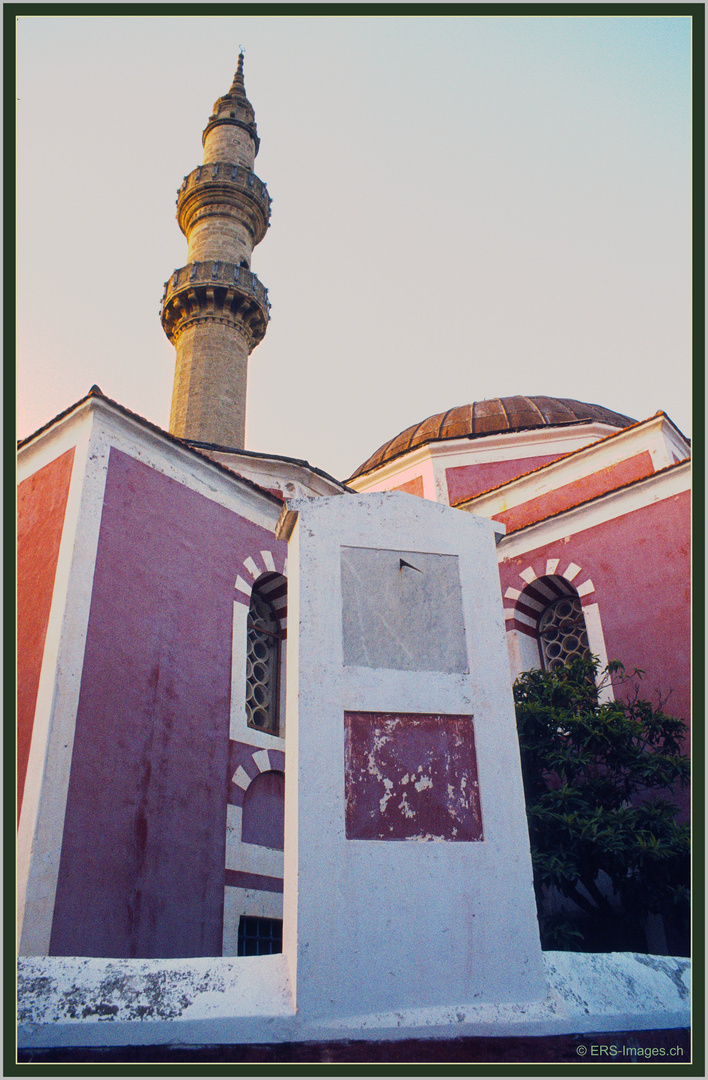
(463, 207)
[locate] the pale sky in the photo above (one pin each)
(463, 207)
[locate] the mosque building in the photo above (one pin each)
(154, 602)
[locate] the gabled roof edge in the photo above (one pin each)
(602, 495)
(184, 444)
(217, 448)
(572, 453)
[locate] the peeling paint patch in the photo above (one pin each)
(388, 784)
(411, 776)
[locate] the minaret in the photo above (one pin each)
(214, 310)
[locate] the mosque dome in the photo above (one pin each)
(491, 417)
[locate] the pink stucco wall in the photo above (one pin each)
(142, 865)
(640, 566)
(41, 507)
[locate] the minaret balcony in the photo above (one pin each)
(220, 186)
(215, 290)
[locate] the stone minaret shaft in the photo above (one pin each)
(214, 310)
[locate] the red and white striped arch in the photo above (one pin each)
(259, 761)
(268, 569)
(540, 585)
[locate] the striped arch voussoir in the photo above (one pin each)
(262, 564)
(540, 585)
(260, 761)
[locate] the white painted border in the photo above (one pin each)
(596, 641)
(187, 468)
(48, 447)
(237, 720)
(162, 453)
(524, 654)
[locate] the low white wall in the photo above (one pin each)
(75, 1001)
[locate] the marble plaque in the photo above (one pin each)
(402, 610)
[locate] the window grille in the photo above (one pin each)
(562, 633)
(259, 937)
(262, 661)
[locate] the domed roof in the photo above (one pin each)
(493, 416)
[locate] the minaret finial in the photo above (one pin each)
(238, 83)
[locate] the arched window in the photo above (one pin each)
(549, 626)
(562, 633)
(262, 664)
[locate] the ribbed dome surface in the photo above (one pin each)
(490, 417)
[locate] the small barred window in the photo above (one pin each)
(562, 633)
(262, 660)
(259, 937)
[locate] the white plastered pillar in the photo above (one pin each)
(425, 918)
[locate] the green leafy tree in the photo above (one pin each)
(599, 779)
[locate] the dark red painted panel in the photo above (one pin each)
(41, 506)
(578, 491)
(240, 879)
(410, 776)
(263, 820)
(142, 865)
(413, 487)
(466, 481)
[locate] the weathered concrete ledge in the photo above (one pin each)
(77, 1001)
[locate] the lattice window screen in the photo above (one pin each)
(562, 633)
(262, 658)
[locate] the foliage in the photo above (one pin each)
(599, 778)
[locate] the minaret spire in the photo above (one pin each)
(214, 310)
(238, 83)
